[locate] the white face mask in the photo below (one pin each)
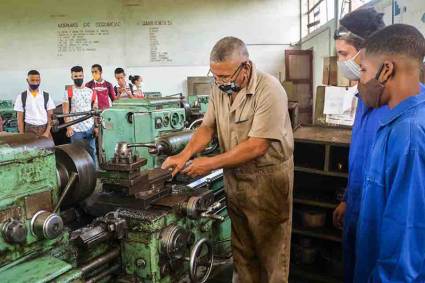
(350, 69)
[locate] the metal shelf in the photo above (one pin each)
(319, 233)
(321, 172)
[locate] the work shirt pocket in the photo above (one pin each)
(241, 125)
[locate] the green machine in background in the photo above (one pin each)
(140, 121)
(139, 225)
(8, 115)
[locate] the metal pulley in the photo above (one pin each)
(46, 225)
(175, 240)
(74, 159)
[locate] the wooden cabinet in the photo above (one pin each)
(321, 172)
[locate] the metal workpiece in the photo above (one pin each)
(74, 158)
(46, 225)
(167, 144)
(173, 143)
(14, 231)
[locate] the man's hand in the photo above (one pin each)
(95, 132)
(176, 162)
(69, 132)
(199, 166)
(338, 215)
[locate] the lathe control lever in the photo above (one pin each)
(83, 116)
(209, 213)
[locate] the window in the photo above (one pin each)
(316, 13)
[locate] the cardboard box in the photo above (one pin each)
(331, 74)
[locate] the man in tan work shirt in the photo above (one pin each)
(248, 111)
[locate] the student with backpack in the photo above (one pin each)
(104, 90)
(34, 108)
(122, 89)
(79, 98)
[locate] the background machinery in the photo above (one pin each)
(138, 225)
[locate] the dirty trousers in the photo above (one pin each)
(260, 207)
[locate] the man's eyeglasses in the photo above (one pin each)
(226, 79)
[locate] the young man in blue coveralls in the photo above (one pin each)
(350, 37)
(390, 242)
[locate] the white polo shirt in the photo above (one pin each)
(35, 113)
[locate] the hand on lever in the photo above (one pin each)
(175, 163)
(199, 167)
(69, 132)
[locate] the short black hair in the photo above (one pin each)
(398, 39)
(97, 66)
(119, 71)
(362, 22)
(134, 78)
(33, 73)
(76, 69)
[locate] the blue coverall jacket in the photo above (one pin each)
(390, 242)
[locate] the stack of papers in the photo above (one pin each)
(340, 105)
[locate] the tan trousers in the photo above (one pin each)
(260, 207)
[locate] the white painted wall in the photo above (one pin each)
(29, 39)
(323, 45)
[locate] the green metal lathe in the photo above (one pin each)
(139, 225)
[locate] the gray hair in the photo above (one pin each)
(229, 48)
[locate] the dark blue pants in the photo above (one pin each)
(349, 238)
(88, 137)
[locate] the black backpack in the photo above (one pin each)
(24, 100)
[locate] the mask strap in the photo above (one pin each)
(380, 71)
(355, 56)
(378, 74)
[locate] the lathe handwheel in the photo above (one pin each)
(201, 256)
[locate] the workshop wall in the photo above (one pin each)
(323, 45)
(164, 41)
